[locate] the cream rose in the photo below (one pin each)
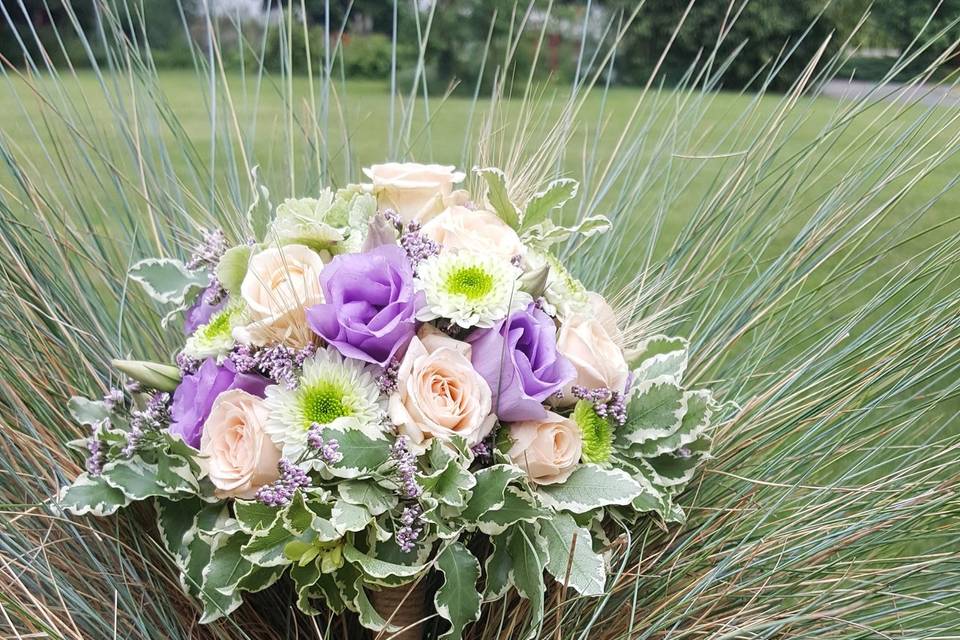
(586, 342)
(281, 282)
(548, 449)
(415, 191)
(439, 393)
(459, 228)
(235, 451)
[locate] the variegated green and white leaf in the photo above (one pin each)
(591, 487)
(547, 233)
(497, 570)
(655, 411)
(518, 506)
(369, 494)
(166, 280)
(88, 412)
(673, 470)
(91, 494)
(491, 483)
(570, 545)
(362, 455)
(498, 197)
(376, 568)
(557, 193)
(659, 356)
(457, 600)
(695, 422)
(233, 267)
(349, 517)
(527, 550)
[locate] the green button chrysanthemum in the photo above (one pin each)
(597, 433)
(331, 391)
(215, 338)
(470, 290)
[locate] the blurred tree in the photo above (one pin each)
(768, 27)
(900, 21)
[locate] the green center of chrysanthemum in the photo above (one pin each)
(219, 324)
(597, 433)
(323, 403)
(471, 282)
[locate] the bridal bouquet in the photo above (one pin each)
(395, 388)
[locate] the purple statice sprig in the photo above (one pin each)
(608, 404)
(153, 418)
(209, 251)
(411, 526)
(280, 492)
(326, 451)
(96, 457)
(417, 246)
(406, 469)
(387, 381)
(279, 363)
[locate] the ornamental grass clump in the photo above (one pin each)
(719, 400)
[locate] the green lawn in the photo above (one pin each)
(359, 121)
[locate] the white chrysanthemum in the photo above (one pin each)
(469, 289)
(564, 295)
(332, 391)
(215, 339)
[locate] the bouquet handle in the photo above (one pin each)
(403, 607)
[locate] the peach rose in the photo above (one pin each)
(459, 228)
(235, 451)
(280, 284)
(548, 449)
(439, 393)
(415, 191)
(586, 341)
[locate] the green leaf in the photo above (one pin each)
(166, 280)
(498, 197)
(253, 515)
(673, 470)
(349, 517)
(659, 356)
(547, 233)
(655, 410)
(377, 569)
(162, 377)
(451, 483)
(369, 494)
(89, 412)
(177, 522)
(232, 268)
(267, 547)
(91, 494)
(553, 197)
(223, 574)
(362, 455)
(518, 506)
(457, 600)
(527, 551)
(491, 482)
(590, 487)
(497, 571)
(587, 571)
(696, 419)
(169, 477)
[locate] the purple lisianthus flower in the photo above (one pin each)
(519, 360)
(194, 397)
(202, 309)
(370, 304)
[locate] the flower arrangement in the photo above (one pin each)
(395, 379)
